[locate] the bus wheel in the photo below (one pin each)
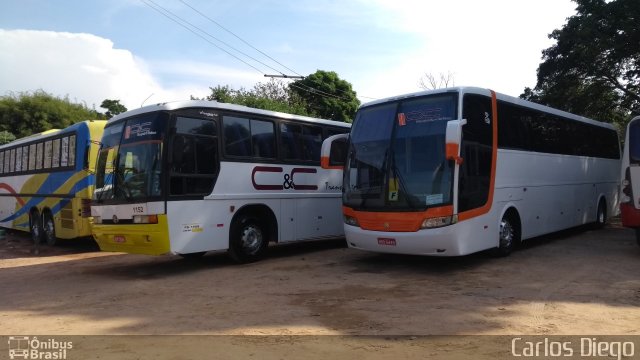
(508, 237)
(49, 227)
(601, 215)
(248, 240)
(35, 227)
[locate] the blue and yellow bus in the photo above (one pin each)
(47, 180)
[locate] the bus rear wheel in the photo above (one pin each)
(35, 227)
(49, 227)
(248, 240)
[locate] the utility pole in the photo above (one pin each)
(284, 76)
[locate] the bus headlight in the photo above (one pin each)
(350, 220)
(437, 222)
(145, 219)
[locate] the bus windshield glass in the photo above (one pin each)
(397, 156)
(130, 160)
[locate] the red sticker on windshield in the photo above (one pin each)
(402, 120)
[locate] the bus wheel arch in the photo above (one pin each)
(48, 227)
(509, 232)
(35, 225)
(251, 230)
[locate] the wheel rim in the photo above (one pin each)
(251, 239)
(506, 234)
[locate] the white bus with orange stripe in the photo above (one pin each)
(196, 176)
(460, 170)
(630, 198)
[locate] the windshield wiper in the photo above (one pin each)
(411, 199)
(120, 183)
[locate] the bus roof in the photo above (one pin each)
(499, 96)
(223, 106)
(48, 133)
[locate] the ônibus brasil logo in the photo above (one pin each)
(25, 347)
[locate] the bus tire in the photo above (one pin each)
(35, 227)
(248, 240)
(49, 228)
(601, 214)
(508, 235)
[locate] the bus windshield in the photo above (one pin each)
(397, 155)
(130, 159)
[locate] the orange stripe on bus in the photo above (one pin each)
(396, 221)
(494, 156)
(324, 163)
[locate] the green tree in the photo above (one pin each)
(273, 95)
(6, 137)
(27, 113)
(327, 96)
(113, 107)
(594, 67)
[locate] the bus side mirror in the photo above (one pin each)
(453, 139)
(333, 153)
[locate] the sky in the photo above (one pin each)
(128, 50)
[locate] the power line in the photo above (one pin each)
(266, 55)
(239, 38)
(190, 27)
(183, 21)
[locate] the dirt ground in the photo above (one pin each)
(577, 282)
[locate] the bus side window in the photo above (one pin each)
(311, 142)
(290, 135)
(237, 135)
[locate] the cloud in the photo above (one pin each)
(495, 44)
(88, 69)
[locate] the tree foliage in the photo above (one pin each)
(113, 107)
(6, 137)
(322, 94)
(27, 113)
(272, 95)
(594, 67)
(327, 96)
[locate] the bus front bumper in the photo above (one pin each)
(432, 242)
(147, 239)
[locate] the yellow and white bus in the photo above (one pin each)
(190, 177)
(630, 197)
(46, 182)
(459, 170)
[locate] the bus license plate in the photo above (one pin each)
(119, 239)
(386, 241)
